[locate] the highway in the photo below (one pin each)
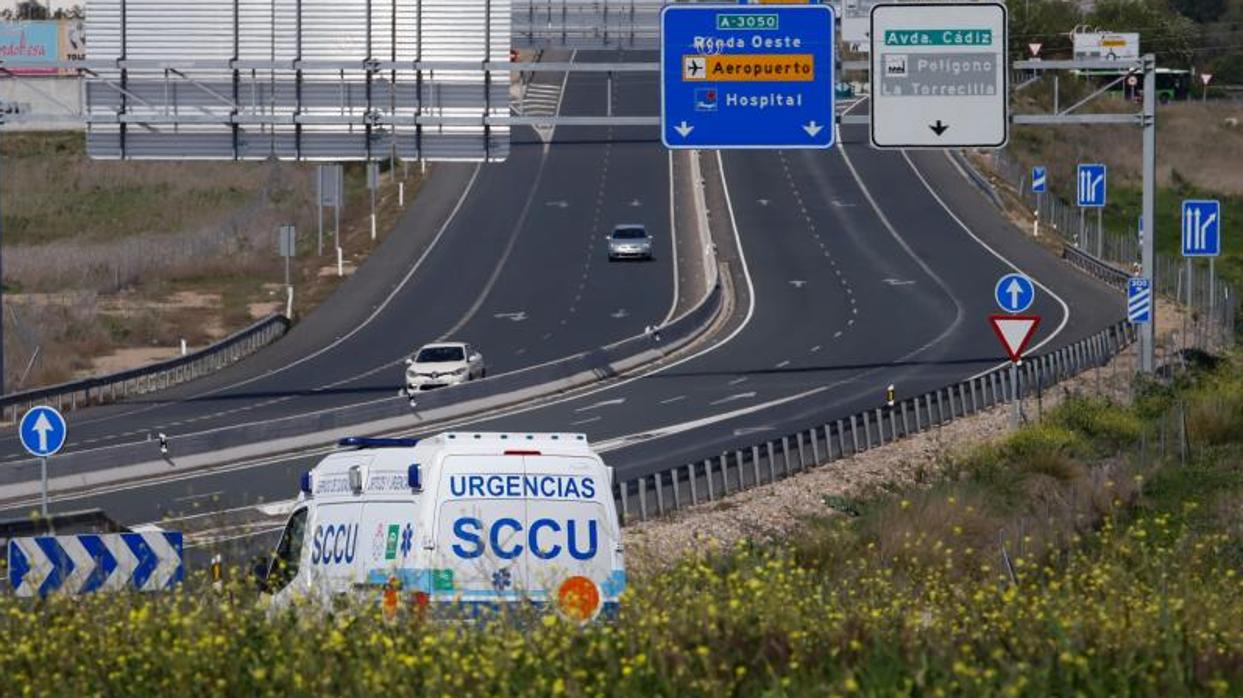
(509, 257)
(852, 269)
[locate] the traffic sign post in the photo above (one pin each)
(1014, 293)
(1015, 333)
(1139, 300)
(42, 432)
(1201, 238)
(747, 76)
(939, 75)
(1091, 187)
(1040, 184)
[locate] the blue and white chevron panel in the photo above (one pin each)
(150, 561)
(1139, 300)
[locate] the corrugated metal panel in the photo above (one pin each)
(215, 32)
(587, 24)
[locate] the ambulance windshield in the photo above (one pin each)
(288, 552)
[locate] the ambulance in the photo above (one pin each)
(456, 521)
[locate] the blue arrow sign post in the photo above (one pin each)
(1139, 300)
(1091, 185)
(1014, 293)
(1201, 238)
(746, 76)
(42, 432)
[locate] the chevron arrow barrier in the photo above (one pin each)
(83, 564)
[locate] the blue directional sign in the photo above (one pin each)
(1139, 300)
(1015, 293)
(1091, 186)
(1201, 228)
(1040, 179)
(747, 76)
(42, 431)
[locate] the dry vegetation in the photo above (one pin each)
(112, 264)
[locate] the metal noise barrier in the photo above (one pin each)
(146, 379)
(655, 494)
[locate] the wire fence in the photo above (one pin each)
(1213, 303)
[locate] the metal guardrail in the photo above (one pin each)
(1102, 270)
(771, 460)
(146, 379)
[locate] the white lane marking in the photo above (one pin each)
(280, 458)
(226, 539)
(561, 203)
(673, 400)
(673, 242)
(837, 334)
(898, 282)
(620, 314)
(816, 348)
(744, 431)
(281, 508)
(734, 398)
(798, 283)
(602, 403)
(783, 364)
(397, 289)
(586, 421)
(518, 316)
(739, 379)
(998, 255)
(762, 202)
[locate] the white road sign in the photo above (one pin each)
(939, 75)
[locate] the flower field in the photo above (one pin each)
(1074, 559)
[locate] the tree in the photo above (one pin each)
(31, 9)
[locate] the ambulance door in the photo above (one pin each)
(480, 539)
(335, 546)
(387, 540)
(570, 535)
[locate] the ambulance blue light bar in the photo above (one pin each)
(304, 482)
(374, 442)
(413, 477)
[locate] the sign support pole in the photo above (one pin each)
(43, 486)
(1081, 238)
(1100, 234)
(1014, 392)
(1212, 288)
(319, 206)
(1146, 334)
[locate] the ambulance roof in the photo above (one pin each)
(400, 453)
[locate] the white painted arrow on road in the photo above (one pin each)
(684, 129)
(732, 398)
(602, 403)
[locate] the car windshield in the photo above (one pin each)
(629, 234)
(435, 355)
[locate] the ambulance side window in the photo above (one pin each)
(288, 552)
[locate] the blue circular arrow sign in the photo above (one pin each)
(42, 431)
(1015, 293)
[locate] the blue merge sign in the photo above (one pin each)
(1139, 300)
(1015, 293)
(747, 76)
(1040, 179)
(42, 431)
(1091, 186)
(1201, 228)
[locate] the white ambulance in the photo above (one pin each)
(456, 521)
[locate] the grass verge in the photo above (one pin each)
(1091, 554)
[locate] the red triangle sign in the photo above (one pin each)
(1015, 331)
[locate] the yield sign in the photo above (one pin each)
(1014, 331)
(1035, 49)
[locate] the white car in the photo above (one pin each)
(441, 365)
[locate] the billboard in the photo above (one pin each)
(1107, 45)
(25, 46)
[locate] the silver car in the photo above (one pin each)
(629, 241)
